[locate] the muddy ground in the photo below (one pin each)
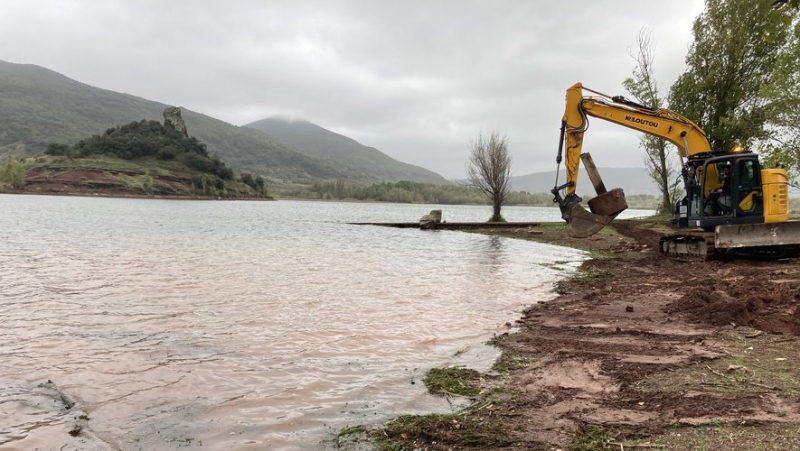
(639, 351)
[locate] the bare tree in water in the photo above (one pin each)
(489, 169)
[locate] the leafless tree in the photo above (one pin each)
(644, 88)
(489, 169)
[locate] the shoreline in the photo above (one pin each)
(271, 199)
(637, 350)
(136, 196)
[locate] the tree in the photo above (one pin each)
(489, 170)
(736, 45)
(783, 111)
(644, 88)
(57, 149)
(13, 173)
(247, 179)
(261, 187)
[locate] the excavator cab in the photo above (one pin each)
(724, 189)
(733, 188)
(717, 193)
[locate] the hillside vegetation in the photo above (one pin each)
(39, 106)
(427, 193)
(144, 158)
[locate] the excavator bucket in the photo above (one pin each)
(610, 203)
(604, 208)
(582, 224)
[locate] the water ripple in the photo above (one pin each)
(242, 323)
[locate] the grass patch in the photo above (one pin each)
(351, 435)
(659, 227)
(551, 226)
(142, 166)
(456, 430)
(583, 275)
(592, 438)
(594, 254)
(479, 426)
(755, 363)
(137, 183)
(453, 381)
(97, 164)
(511, 361)
(775, 437)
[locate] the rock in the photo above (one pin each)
(430, 220)
(173, 119)
(734, 368)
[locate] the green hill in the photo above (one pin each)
(358, 161)
(143, 159)
(39, 106)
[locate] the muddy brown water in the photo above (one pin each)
(241, 325)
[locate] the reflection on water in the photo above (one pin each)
(241, 324)
(493, 251)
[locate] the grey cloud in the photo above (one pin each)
(416, 79)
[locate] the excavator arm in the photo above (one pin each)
(663, 123)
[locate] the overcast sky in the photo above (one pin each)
(415, 79)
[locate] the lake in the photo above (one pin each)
(244, 325)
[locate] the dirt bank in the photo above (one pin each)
(141, 184)
(640, 352)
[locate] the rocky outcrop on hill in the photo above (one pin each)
(173, 119)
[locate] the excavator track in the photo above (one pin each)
(693, 246)
(766, 252)
(689, 246)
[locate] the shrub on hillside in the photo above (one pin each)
(12, 174)
(140, 139)
(146, 139)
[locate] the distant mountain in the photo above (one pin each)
(342, 152)
(39, 106)
(631, 180)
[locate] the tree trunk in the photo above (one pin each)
(666, 203)
(496, 216)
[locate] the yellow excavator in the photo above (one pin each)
(731, 204)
